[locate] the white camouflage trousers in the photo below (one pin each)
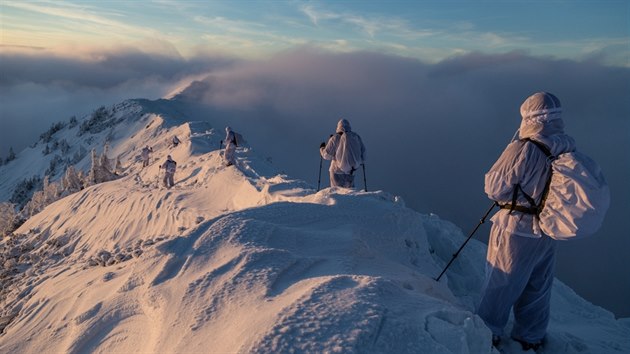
(519, 275)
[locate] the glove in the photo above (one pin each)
(322, 145)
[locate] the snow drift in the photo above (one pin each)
(244, 259)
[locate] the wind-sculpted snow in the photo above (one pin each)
(313, 277)
(246, 259)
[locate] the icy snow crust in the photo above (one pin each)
(245, 259)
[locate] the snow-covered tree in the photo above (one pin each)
(24, 189)
(71, 182)
(94, 170)
(78, 155)
(8, 218)
(99, 121)
(82, 177)
(46, 137)
(35, 205)
(11, 156)
(52, 166)
(100, 171)
(73, 122)
(52, 191)
(118, 166)
(104, 160)
(49, 194)
(63, 145)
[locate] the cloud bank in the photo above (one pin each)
(431, 130)
(38, 89)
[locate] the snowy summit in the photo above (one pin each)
(236, 258)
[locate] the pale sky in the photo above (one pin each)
(427, 30)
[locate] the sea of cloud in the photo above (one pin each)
(38, 89)
(431, 130)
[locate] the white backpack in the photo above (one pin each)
(576, 197)
(348, 154)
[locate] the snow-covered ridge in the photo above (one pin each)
(246, 259)
(124, 128)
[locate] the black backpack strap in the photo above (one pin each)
(534, 208)
(550, 158)
(541, 146)
(512, 206)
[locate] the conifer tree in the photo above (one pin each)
(8, 218)
(71, 181)
(92, 175)
(11, 156)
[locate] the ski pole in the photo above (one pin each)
(319, 179)
(483, 219)
(321, 158)
(220, 144)
(364, 179)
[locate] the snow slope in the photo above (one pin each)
(245, 259)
